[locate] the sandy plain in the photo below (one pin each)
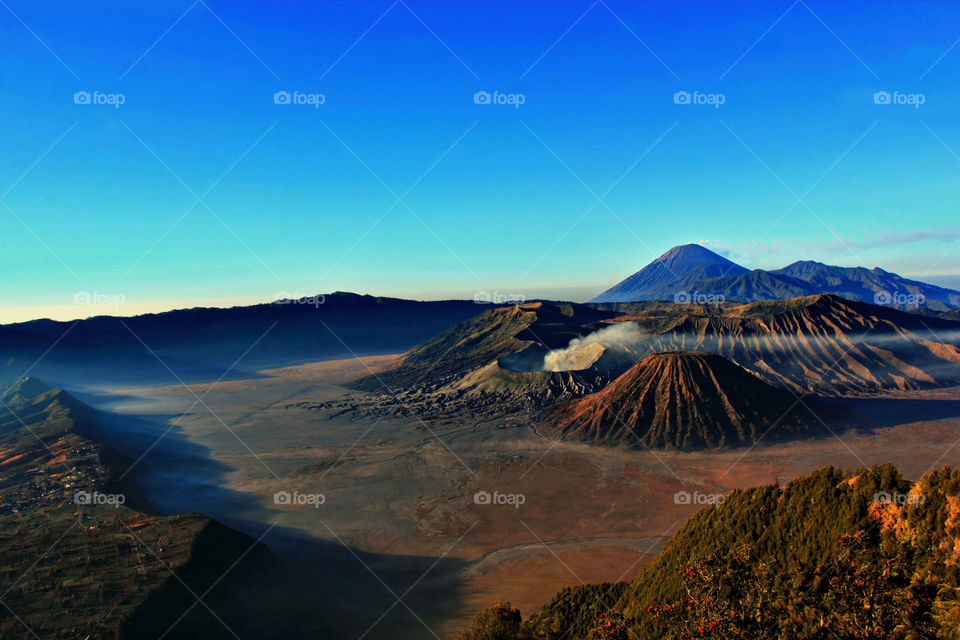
(403, 544)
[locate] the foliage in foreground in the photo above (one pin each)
(832, 556)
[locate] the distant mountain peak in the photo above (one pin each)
(673, 273)
(680, 248)
(692, 254)
(805, 263)
(693, 269)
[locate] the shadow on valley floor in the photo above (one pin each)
(306, 589)
(869, 414)
(294, 588)
(297, 586)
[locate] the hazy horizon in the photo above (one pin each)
(126, 308)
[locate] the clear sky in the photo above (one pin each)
(200, 189)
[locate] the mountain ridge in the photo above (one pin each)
(677, 269)
(206, 341)
(688, 273)
(53, 464)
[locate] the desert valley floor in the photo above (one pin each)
(399, 546)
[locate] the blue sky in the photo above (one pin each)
(199, 189)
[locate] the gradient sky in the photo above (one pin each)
(498, 198)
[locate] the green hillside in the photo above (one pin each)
(861, 554)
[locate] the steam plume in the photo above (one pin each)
(617, 335)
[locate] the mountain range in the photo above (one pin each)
(204, 342)
(693, 273)
(821, 344)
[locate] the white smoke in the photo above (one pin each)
(622, 334)
(627, 339)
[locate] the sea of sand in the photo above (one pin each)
(386, 526)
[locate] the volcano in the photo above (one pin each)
(692, 273)
(681, 400)
(821, 344)
(672, 274)
(516, 337)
